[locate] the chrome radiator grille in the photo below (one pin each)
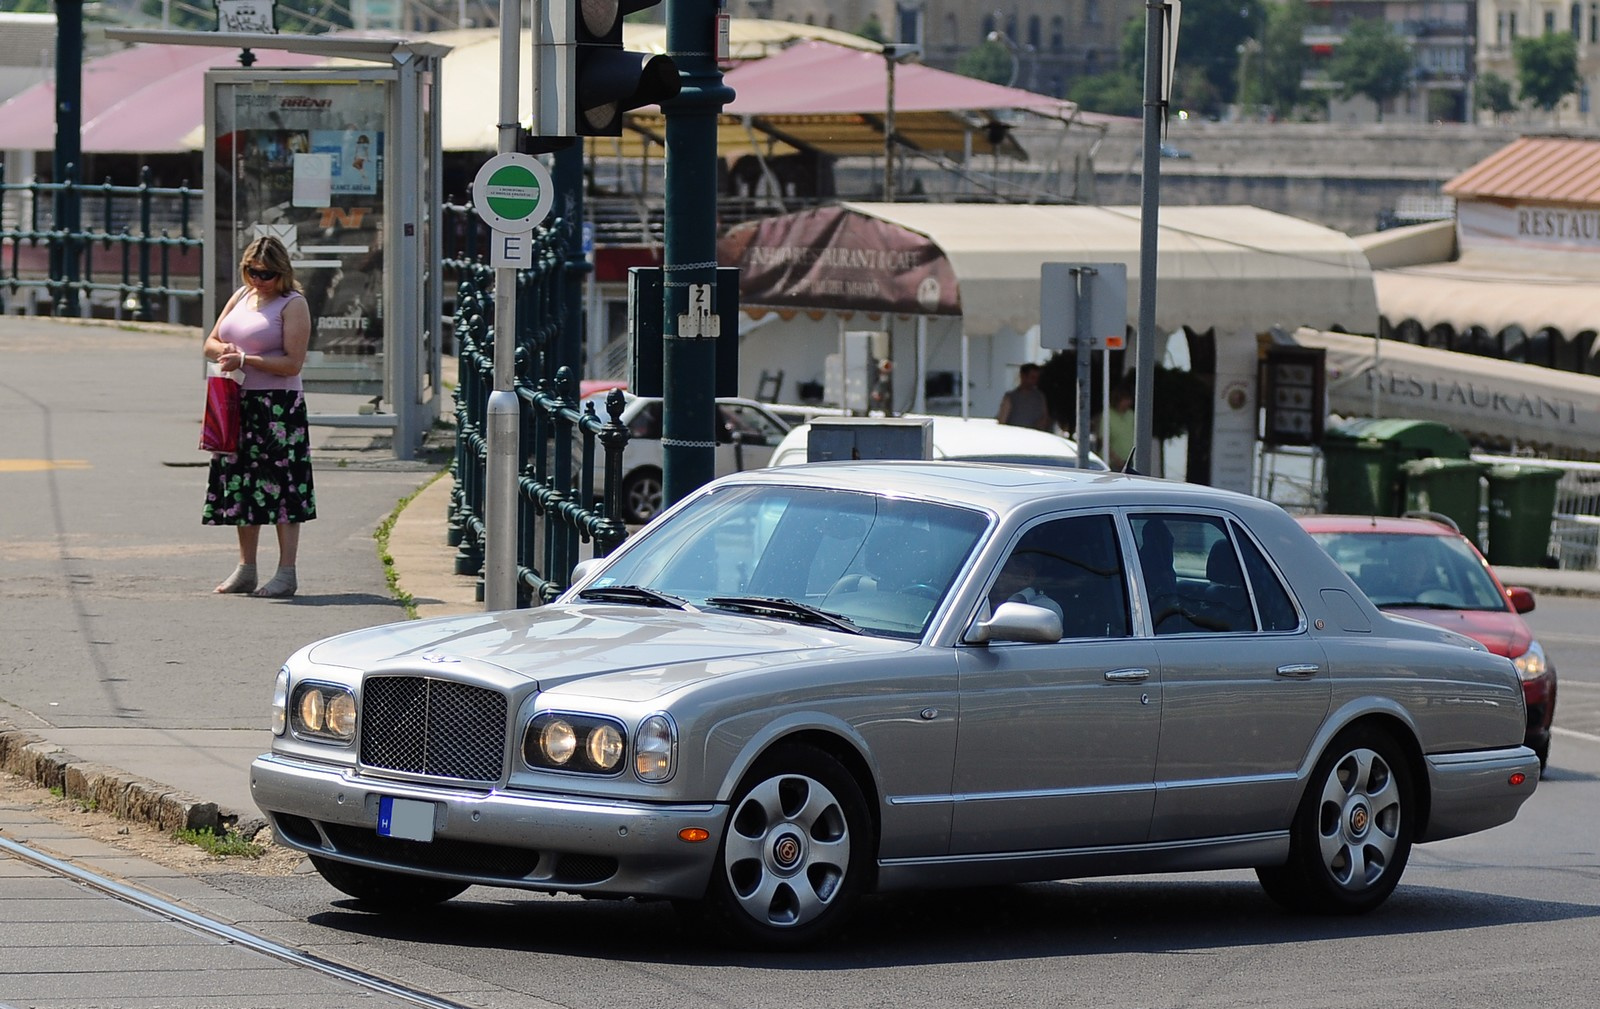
(437, 728)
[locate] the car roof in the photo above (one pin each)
(1375, 524)
(963, 437)
(1002, 487)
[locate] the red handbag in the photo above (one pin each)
(219, 428)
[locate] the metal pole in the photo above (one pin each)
(504, 412)
(1149, 225)
(1083, 341)
(689, 353)
(68, 163)
(888, 127)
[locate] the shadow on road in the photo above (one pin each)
(1077, 918)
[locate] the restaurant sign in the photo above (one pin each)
(837, 259)
(1528, 226)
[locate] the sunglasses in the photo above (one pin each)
(262, 275)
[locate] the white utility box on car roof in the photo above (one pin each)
(841, 438)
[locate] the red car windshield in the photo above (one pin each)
(1397, 570)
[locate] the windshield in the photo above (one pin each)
(883, 564)
(1398, 570)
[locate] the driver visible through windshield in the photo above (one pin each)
(882, 564)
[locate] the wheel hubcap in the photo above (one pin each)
(1359, 820)
(787, 851)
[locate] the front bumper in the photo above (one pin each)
(493, 838)
(1473, 791)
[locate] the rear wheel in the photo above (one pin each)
(795, 855)
(1351, 836)
(385, 890)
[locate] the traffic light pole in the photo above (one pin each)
(689, 355)
(504, 411)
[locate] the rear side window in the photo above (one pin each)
(1272, 599)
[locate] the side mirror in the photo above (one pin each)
(1016, 622)
(583, 569)
(1521, 598)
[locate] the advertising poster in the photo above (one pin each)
(304, 161)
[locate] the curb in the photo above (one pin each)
(123, 795)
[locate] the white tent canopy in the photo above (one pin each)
(1481, 397)
(1232, 268)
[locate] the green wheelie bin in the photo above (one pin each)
(1449, 487)
(1362, 458)
(1522, 504)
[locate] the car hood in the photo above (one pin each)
(630, 653)
(1502, 633)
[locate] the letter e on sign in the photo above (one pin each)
(511, 251)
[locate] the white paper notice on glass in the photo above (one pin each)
(313, 180)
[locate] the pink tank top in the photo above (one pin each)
(260, 332)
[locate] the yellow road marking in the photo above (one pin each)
(38, 465)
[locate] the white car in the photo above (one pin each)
(970, 440)
(747, 432)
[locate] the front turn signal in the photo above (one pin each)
(694, 835)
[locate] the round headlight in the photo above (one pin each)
(342, 715)
(280, 702)
(557, 741)
(604, 747)
(311, 709)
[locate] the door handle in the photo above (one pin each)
(1299, 670)
(1127, 675)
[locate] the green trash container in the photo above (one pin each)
(1522, 504)
(1449, 487)
(1362, 458)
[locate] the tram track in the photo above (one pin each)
(223, 930)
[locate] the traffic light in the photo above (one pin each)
(585, 79)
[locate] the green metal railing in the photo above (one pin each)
(139, 243)
(559, 444)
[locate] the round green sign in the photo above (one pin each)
(513, 193)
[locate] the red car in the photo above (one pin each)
(1426, 569)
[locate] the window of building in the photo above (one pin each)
(1091, 12)
(1549, 21)
(952, 31)
(1576, 20)
(1058, 34)
(1035, 32)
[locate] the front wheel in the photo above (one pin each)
(385, 890)
(1351, 836)
(795, 855)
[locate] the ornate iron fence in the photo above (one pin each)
(559, 443)
(138, 244)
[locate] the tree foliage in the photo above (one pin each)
(1274, 74)
(1547, 68)
(1494, 93)
(1372, 61)
(990, 62)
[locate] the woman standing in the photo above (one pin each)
(265, 329)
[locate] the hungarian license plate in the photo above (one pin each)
(406, 819)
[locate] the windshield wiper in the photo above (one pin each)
(636, 594)
(772, 606)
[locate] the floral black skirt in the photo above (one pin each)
(268, 482)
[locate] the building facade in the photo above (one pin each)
(1502, 22)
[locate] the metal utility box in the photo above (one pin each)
(1362, 461)
(843, 438)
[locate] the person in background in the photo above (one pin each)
(1119, 428)
(1025, 406)
(265, 329)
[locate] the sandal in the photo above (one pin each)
(242, 581)
(282, 586)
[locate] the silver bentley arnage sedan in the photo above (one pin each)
(800, 685)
